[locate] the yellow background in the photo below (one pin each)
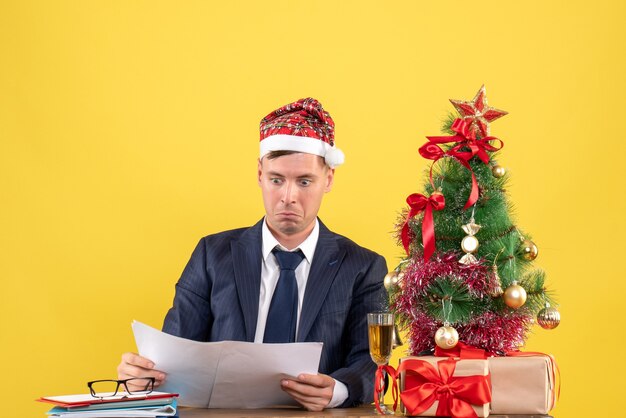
(128, 130)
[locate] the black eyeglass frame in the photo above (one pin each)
(149, 386)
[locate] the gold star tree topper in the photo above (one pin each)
(477, 113)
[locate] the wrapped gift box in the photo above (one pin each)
(477, 382)
(522, 384)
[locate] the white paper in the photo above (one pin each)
(226, 374)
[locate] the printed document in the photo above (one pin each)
(226, 374)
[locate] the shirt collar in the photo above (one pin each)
(307, 246)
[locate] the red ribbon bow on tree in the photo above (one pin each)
(418, 203)
(456, 395)
(465, 138)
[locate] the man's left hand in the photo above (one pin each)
(313, 391)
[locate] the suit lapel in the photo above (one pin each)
(326, 262)
(247, 258)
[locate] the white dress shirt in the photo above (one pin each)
(270, 271)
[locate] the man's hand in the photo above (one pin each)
(133, 365)
(313, 391)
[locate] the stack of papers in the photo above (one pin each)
(155, 404)
(226, 374)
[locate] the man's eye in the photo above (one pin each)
(305, 182)
(276, 181)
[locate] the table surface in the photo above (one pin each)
(361, 411)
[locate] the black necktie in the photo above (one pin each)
(283, 314)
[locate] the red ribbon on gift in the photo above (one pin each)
(463, 351)
(456, 395)
(379, 386)
(464, 138)
(418, 203)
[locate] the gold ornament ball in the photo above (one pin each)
(391, 280)
(469, 244)
(514, 296)
(446, 337)
(529, 250)
(498, 171)
(549, 318)
(400, 281)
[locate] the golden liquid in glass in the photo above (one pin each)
(380, 337)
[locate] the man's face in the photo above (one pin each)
(293, 187)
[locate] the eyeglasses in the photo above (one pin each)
(107, 388)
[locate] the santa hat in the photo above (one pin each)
(302, 126)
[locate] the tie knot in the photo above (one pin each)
(288, 260)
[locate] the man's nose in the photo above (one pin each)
(290, 193)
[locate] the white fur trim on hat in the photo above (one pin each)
(332, 155)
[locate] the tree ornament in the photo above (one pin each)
(549, 317)
(514, 296)
(529, 250)
(477, 113)
(469, 244)
(446, 337)
(498, 171)
(391, 280)
(497, 291)
(400, 281)
(396, 341)
(417, 203)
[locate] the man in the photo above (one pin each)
(239, 286)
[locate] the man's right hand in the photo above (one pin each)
(133, 365)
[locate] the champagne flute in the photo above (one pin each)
(380, 331)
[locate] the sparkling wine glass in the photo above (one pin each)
(380, 331)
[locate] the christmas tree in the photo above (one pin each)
(468, 275)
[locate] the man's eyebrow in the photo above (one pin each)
(302, 176)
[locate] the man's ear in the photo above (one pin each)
(330, 178)
(259, 171)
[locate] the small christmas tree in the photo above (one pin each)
(468, 275)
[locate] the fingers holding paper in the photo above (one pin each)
(313, 391)
(133, 365)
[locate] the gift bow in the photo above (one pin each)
(418, 203)
(464, 137)
(455, 394)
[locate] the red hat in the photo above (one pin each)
(302, 126)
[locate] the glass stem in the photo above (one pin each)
(381, 395)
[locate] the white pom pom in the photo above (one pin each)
(334, 157)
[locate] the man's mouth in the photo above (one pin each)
(288, 215)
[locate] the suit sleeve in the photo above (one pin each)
(190, 316)
(359, 369)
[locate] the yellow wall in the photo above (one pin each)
(128, 130)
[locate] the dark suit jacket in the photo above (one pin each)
(217, 298)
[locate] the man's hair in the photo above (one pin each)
(275, 154)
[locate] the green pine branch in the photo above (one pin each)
(536, 293)
(450, 293)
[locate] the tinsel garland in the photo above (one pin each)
(497, 333)
(494, 332)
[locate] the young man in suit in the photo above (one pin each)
(238, 284)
